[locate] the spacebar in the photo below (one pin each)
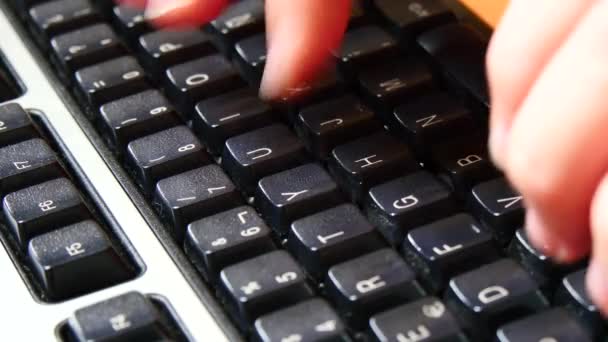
(459, 52)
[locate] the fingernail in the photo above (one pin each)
(597, 284)
(159, 8)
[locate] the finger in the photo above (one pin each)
(597, 281)
(556, 153)
(183, 12)
(301, 36)
(522, 44)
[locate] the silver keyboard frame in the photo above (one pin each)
(22, 316)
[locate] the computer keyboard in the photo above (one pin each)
(150, 195)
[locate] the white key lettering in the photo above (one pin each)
(511, 201)
(469, 160)
(392, 85)
(241, 216)
(251, 288)
(239, 20)
(75, 249)
(230, 117)
(434, 310)
(197, 79)
(421, 333)
(47, 206)
(291, 195)
(219, 242)
(131, 75)
(492, 294)
(250, 231)
(336, 121)
(168, 47)
(324, 239)
(368, 161)
(22, 165)
(292, 338)
(327, 326)
(120, 322)
(286, 277)
(260, 153)
(367, 285)
(76, 49)
(429, 121)
(212, 190)
(445, 249)
(406, 202)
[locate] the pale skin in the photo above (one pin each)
(549, 123)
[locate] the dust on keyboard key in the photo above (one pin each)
(84, 47)
(136, 116)
(264, 284)
(295, 193)
(76, 259)
(369, 161)
(165, 154)
(111, 80)
(43, 207)
(397, 206)
(370, 284)
(199, 79)
(448, 247)
(328, 124)
(485, 298)
(225, 116)
(15, 125)
(226, 238)
(27, 163)
(195, 194)
(249, 157)
(332, 236)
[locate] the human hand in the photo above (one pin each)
(549, 84)
(293, 59)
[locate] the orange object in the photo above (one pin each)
(488, 10)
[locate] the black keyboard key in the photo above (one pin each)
(460, 53)
(199, 79)
(111, 80)
(136, 116)
(295, 193)
(326, 86)
(250, 56)
(407, 202)
(332, 236)
(390, 83)
(572, 294)
(87, 46)
(369, 161)
(549, 326)
(165, 48)
(241, 19)
(498, 207)
(130, 21)
(249, 157)
(195, 194)
(218, 241)
(371, 283)
(448, 247)
(165, 154)
(492, 295)
(433, 119)
(365, 44)
(75, 260)
(329, 124)
(408, 18)
(463, 163)
(546, 272)
(264, 284)
(41, 208)
(229, 115)
(427, 320)
(27, 163)
(311, 320)
(15, 125)
(128, 317)
(54, 17)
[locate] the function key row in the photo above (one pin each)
(52, 228)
